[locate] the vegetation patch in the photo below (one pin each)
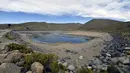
(20, 47)
(85, 70)
(9, 36)
(49, 61)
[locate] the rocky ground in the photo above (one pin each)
(113, 54)
(98, 54)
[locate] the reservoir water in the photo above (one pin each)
(59, 38)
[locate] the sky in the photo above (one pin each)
(63, 11)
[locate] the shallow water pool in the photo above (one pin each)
(59, 38)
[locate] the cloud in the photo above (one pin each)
(113, 9)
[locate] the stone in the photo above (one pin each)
(109, 55)
(37, 67)
(20, 63)
(2, 57)
(102, 67)
(14, 51)
(14, 57)
(114, 60)
(81, 57)
(97, 61)
(71, 67)
(65, 64)
(9, 68)
(71, 72)
(66, 71)
(5, 50)
(89, 67)
(29, 72)
(104, 61)
(126, 61)
(127, 48)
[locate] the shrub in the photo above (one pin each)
(54, 66)
(103, 71)
(62, 67)
(21, 48)
(9, 36)
(47, 60)
(85, 70)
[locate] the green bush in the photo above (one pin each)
(9, 36)
(21, 48)
(62, 67)
(45, 59)
(85, 70)
(54, 66)
(103, 71)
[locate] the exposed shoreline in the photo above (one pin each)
(87, 50)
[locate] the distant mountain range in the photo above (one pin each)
(104, 25)
(41, 26)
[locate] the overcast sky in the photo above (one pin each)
(15, 11)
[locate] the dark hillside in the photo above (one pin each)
(97, 24)
(106, 25)
(120, 27)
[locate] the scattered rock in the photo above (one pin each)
(97, 61)
(9, 68)
(68, 51)
(14, 57)
(71, 72)
(89, 67)
(72, 52)
(20, 63)
(65, 64)
(2, 57)
(29, 72)
(124, 60)
(37, 67)
(114, 60)
(81, 57)
(71, 68)
(66, 71)
(102, 67)
(5, 50)
(68, 57)
(109, 55)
